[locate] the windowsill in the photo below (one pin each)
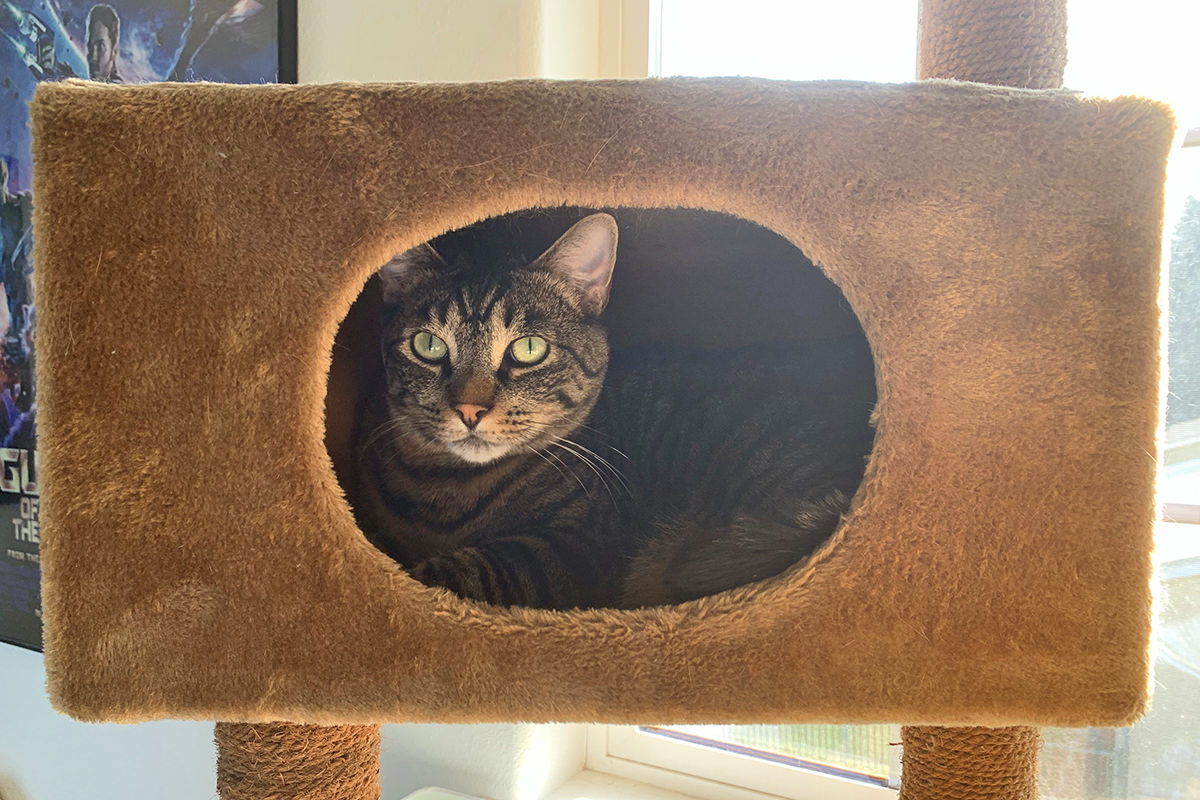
(590, 785)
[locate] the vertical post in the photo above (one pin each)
(1023, 44)
(1020, 43)
(969, 763)
(279, 760)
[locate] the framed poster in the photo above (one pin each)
(119, 41)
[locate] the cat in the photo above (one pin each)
(509, 459)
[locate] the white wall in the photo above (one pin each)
(46, 756)
(417, 40)
(471, 40)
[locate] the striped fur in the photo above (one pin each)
(660, 477)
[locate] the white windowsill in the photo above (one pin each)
(590, 785)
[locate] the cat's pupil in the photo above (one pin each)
(428, 347)
(529, 350)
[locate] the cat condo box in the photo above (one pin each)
(997, 249)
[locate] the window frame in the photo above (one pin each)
(710, 773)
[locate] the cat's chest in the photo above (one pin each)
(428, 513)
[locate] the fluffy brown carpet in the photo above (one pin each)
(198, 247)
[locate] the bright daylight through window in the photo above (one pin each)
(1145, 49)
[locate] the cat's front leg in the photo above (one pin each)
(538, 571)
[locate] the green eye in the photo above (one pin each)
(529, 350)
(429, 347)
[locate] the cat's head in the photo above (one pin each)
(483, 361)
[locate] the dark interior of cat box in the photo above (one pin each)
(686, 278)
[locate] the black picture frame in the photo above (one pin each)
(289, 32)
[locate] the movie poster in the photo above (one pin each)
(121, 41)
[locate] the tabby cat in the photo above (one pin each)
(506, 459)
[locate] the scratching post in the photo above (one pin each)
(1019, 43)
(1023, 44)
(275, 761)
(970, 763)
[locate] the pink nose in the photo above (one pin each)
(470, 414)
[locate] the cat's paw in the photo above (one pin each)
(456, 572)
(432, 571)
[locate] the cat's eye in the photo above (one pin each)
(529, 350)
(429, 347)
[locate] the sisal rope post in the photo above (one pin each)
(1021, 43)
(285, 761)
(969, 763)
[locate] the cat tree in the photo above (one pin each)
(199, 246)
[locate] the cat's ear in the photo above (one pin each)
(585, 255)
(407, 269)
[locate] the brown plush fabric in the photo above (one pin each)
(198, 247)
(1023, 44)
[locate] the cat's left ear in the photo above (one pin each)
(407, 269)
(585, 255)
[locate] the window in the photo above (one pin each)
(1157, 757)
(1112, 52)
(754, 762)
(870, 40)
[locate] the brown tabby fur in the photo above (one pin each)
(684, 474)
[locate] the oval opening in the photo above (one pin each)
(489, 445)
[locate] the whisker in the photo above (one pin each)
(603, 458)
(381, 430)
(603, 461)
(545, 457)
(590, 466)
(542, 426)
(599, 432)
